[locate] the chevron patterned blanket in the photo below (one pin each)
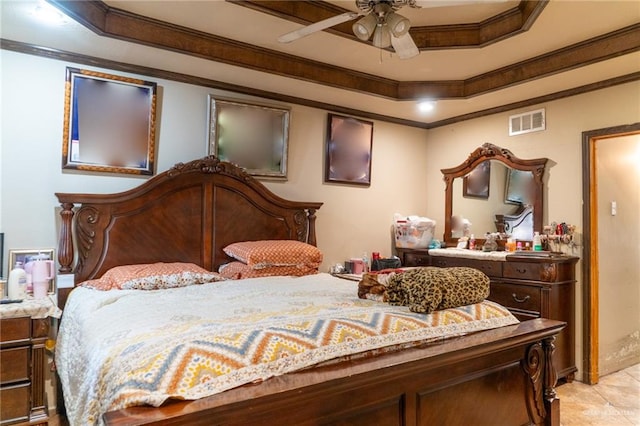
(123, 348)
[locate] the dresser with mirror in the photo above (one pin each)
(495, 191)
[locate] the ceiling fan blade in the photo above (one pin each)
(404, 46)
(318, 26)
(447, 3)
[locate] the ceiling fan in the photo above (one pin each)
(380, 20)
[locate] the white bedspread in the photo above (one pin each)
(125, 348)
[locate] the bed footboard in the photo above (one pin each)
(503, 376)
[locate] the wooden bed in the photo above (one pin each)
(189, 213)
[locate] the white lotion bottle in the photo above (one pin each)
(537, 242)
(17, 282)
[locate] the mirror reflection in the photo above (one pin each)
(494, 198)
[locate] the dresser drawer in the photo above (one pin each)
(14, 365)
(547, 272)
(416, 259)
(491, 268)
(15, 402)
(521, 297)
(15, 329)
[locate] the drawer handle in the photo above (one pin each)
(522, 271)
(524, 299)
(441, 263)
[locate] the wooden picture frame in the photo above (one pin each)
(23, 255)
(254, 136)
(348, 150)
(109, 123)
(2, 255)
(517, 182)
(476, 184)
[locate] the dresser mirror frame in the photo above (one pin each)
(486, 152)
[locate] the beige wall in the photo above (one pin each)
(618, 179)
(352, 220)
(561, 143)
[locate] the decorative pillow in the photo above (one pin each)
(153, 277)
(425, 290)
(269, 253)
(238, 271)
(418, 289)
(462, 287)
(98, 284)
(373, 285)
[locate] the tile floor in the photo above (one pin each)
(614, 401)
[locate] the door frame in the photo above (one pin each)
(590, 282)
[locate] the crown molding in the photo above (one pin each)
(123, 25)
(93, 61)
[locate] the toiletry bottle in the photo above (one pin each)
(537, 242)
(472, 242)
(365, 261)
(519, 246)
(17, 282)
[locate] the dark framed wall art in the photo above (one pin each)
(476, 184)
(252, 135)
(348, 149)
(518, 187)
(109, 123)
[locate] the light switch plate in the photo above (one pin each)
(65, 281)
(614, 208)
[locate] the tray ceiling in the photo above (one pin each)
(537, 49)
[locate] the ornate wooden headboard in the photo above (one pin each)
(186, 214)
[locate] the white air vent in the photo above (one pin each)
(532, 121)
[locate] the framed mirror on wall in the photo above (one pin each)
(252, 135)
(109, 123)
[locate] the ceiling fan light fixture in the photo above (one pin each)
(364, 28)
(398, 24)
(382, 37)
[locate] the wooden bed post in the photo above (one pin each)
(65, 243)
(311, 215)
(551, 402)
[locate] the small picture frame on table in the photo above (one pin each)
(26, 255)
(2, 272)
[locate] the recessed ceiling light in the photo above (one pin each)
(49, 14)
(426, 106)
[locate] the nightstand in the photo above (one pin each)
(24, 328)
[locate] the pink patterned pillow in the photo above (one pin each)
(265, 254)
(153, 277)
(238, 271)
(99, 284)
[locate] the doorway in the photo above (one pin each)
(607, 221)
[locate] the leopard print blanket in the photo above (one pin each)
(425, 290)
